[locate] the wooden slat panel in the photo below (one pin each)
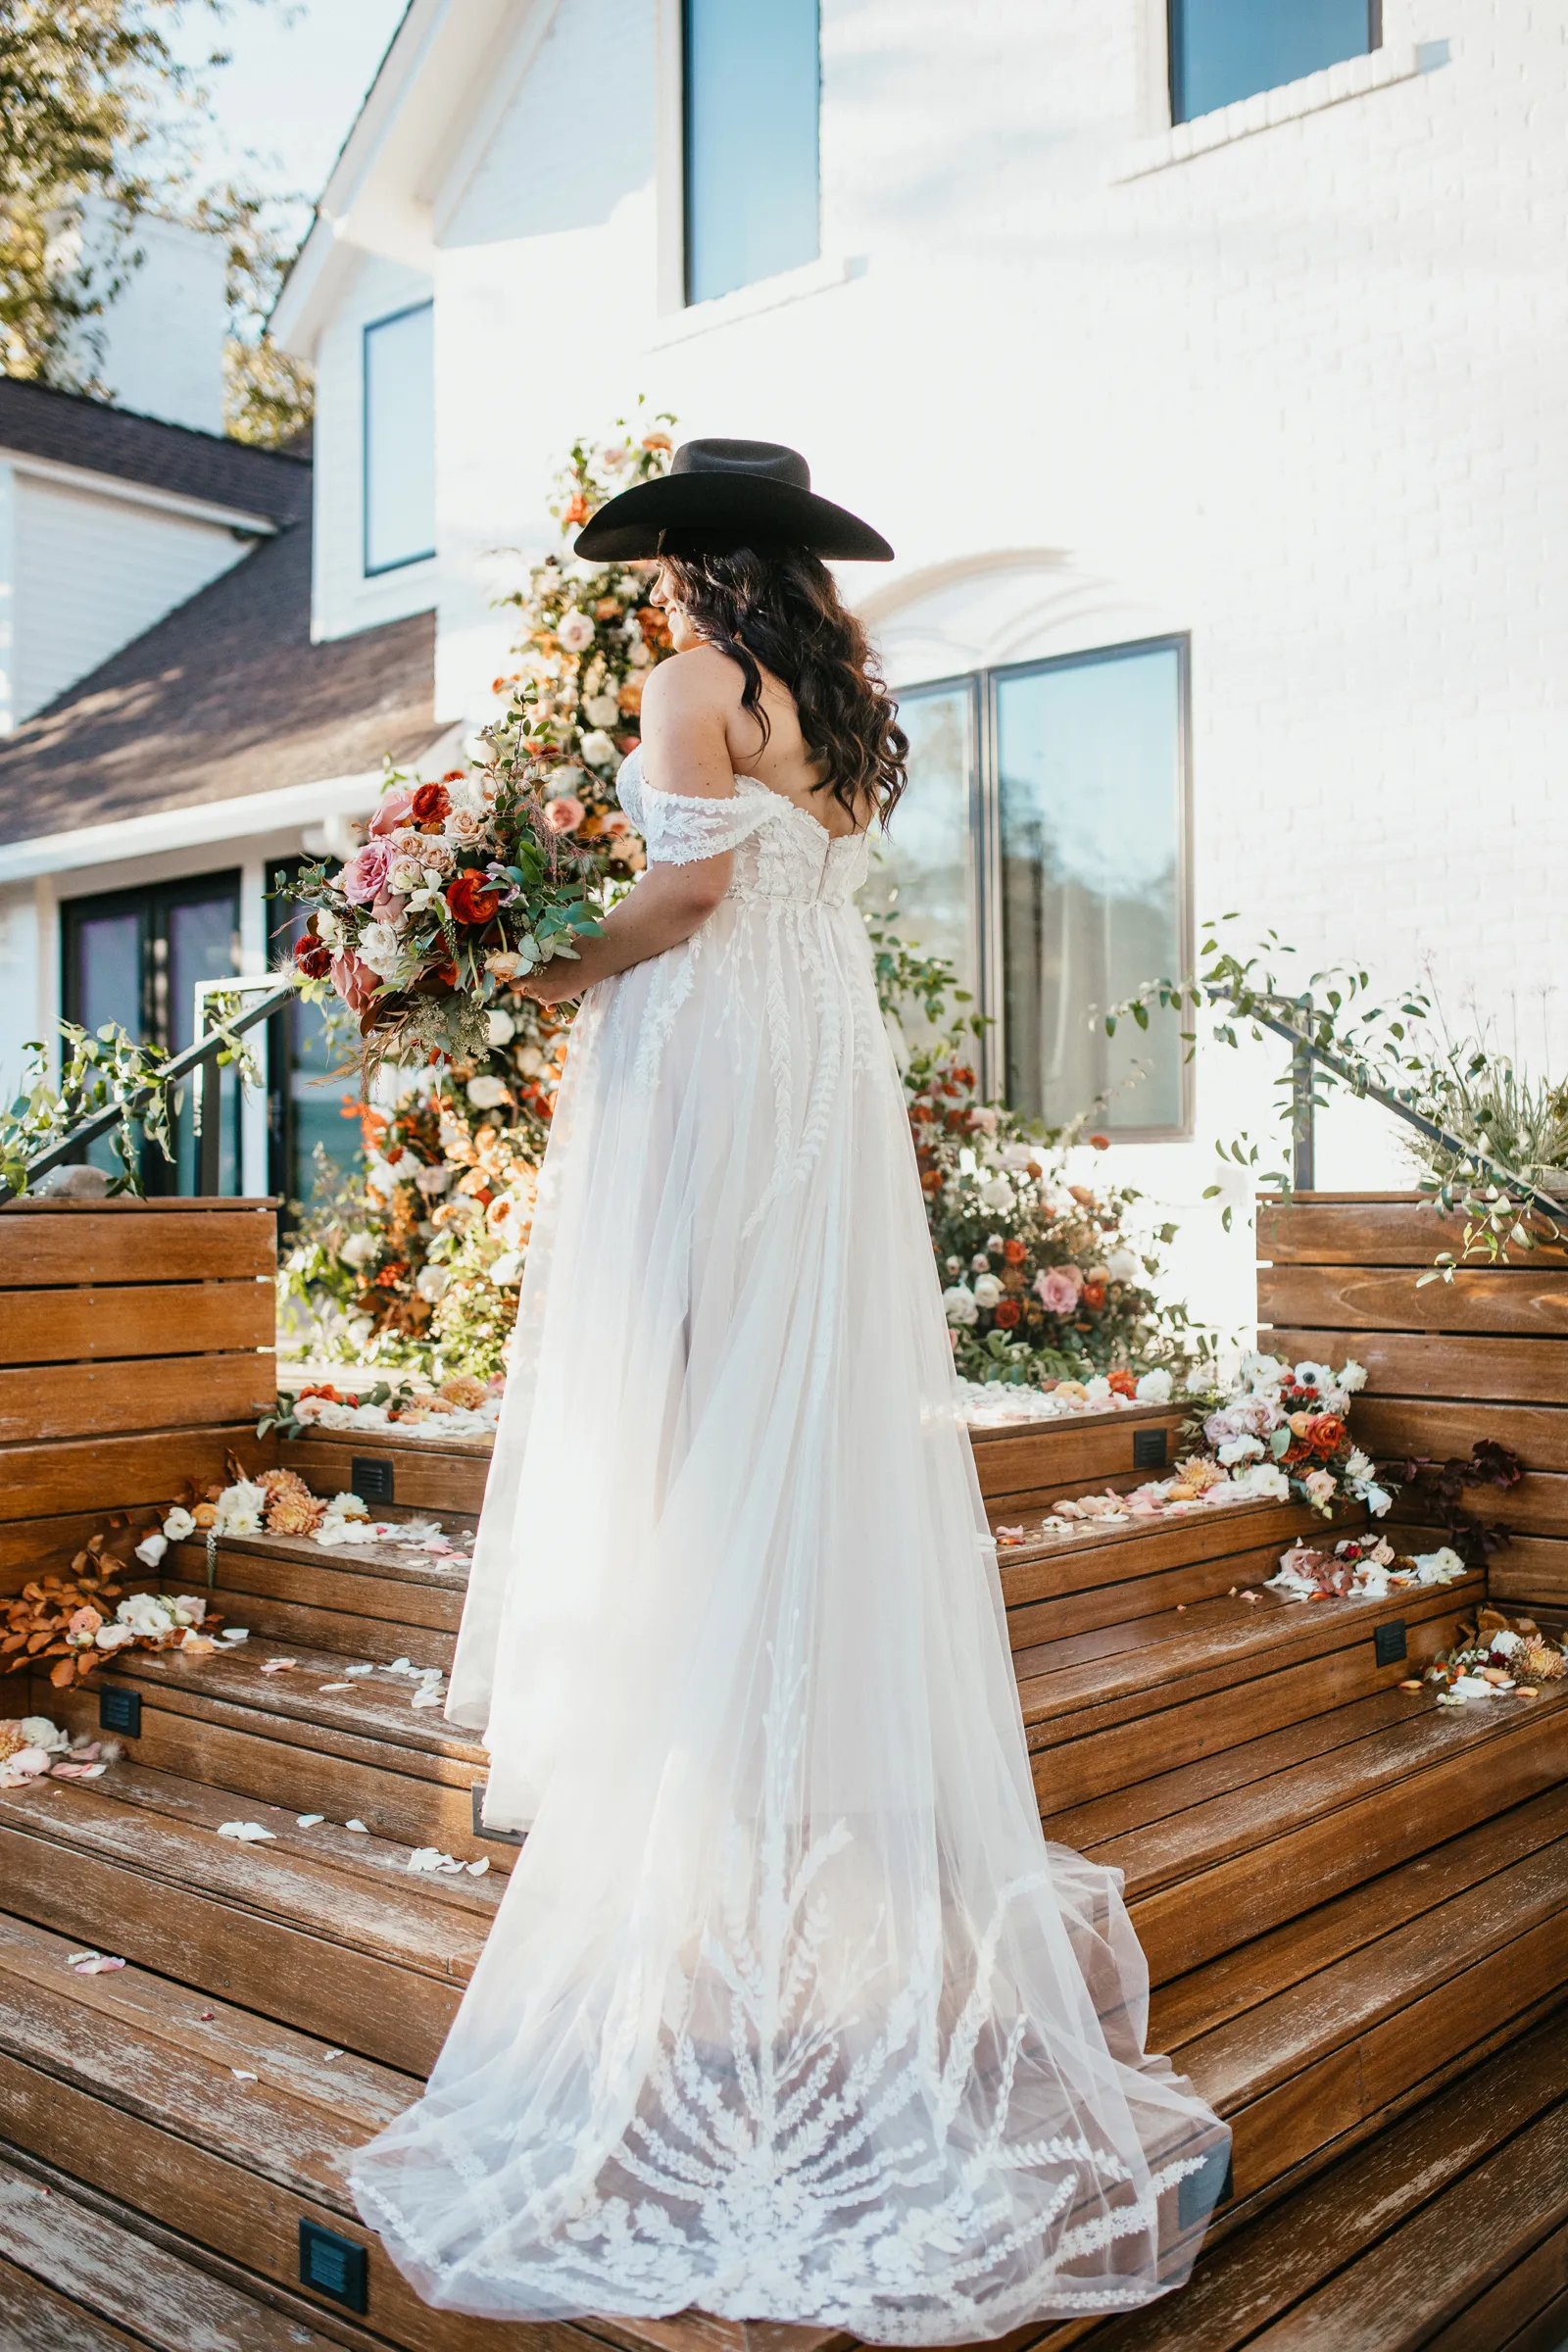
(36, 2317)
(118, 1473)
(1538, 1503)
(1530, 1569)
(50, 1401)
(1393, 1425)
(1363, 1233)
(31, 1548)
(1530, 1300)
(1439, 1364)
(174, 1318)
(189, 1246)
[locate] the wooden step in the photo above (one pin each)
(344, 1943)
(289, 1739)
(77, 2276)
(425, 1475)
(1312, 2032)
(1234, 1864)
(1110, 1707)
(364, 1601)
(137, 2089)
(1055, 1586)
(1447, 2230)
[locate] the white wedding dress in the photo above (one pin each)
(789, 2011)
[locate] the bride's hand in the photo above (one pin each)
(555, 981)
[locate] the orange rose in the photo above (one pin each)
(577, 509)
(1094, 1295)
(472, 899)
(1007, 1312)
(1014, 1253)
(1122, 1384)
(630, 697)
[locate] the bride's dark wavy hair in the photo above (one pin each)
(780, 607)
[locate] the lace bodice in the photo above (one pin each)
(781, 850)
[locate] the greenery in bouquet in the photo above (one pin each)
(1042, 1283)
(1285, 1428)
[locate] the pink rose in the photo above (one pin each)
(355, 982)
(394, 809)
(365, 876)
(1057, 1289)
(565, 815)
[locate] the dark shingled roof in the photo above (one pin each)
(40, 422)
(227, 695)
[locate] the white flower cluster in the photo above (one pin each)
(991, 1404)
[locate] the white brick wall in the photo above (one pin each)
(1300, 394)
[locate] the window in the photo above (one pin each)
(750, 102)
(306, 1097)
(134, 956)
(1042, 848)
(1222, 50)
(399, 439)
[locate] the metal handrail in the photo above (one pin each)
(1306, 1051)
(202, 1055)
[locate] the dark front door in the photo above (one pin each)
(133, 957)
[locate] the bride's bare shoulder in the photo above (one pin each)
(700, 680)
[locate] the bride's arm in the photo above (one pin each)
(684, 709)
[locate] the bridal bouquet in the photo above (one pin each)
(464, 885)
(1293, 1420)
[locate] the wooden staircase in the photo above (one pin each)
(1355, 1904)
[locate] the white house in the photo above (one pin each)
(1203, 363)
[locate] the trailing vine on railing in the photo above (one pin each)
(1465, 1109)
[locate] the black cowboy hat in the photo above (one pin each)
(721, 495)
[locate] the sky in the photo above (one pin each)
(299, 70)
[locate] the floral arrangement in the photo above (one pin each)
(1042, 1286)
(1293, 1421)
(1496, 1657)
(33, 1748)
(1361, 1568)
(68, 1619)
(462, 1406)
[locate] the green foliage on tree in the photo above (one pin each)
(97, 107)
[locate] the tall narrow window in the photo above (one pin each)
(1090, 793)
(1222, 50)
(750, 87)
(134, 958)
(399, 439)
(924, 870)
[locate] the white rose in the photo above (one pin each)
(359, 1249)
(1098, 1390)
(240, 1508)
(507, 1271)
(432, 1282)
(529, 1061)
(1154, 1388)
(487, 1093)
(328, 930)
(563, 780)
(382, 949)
(499, 1027)
(601, 710)
(179, 1525)
(1017, 1155)
(960, 1305)
(39, 1732)
(986, 1291)
(145, 1613)
(151, 1549)
(574, 631)
(1240, 1449)
(1265, 1481)
(997, 1192)
(598, 750)
(1122, 1266)
(1377, 1500)
(114, 1637)
(1358, 1466)
(1262, 1372)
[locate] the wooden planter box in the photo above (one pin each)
(136, 1343)
(1485, 1356)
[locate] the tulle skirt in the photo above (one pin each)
(789, 2011)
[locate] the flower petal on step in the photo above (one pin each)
(242, 2073)
(308, 1821)
(477, 1870)
(247, 1833)
(100, 1967)
(334, 1685)
(356, 1825)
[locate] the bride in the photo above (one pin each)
(789, 2012)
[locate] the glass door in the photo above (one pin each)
(307, 1096)
(134, 958)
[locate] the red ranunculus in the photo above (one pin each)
(1122, 1384)
(431, 804)
(1014, 1253)
(1008, 1312)
(471, 898)
(312, 957)
(1094, 1295)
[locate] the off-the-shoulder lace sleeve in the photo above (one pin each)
(679, 828)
